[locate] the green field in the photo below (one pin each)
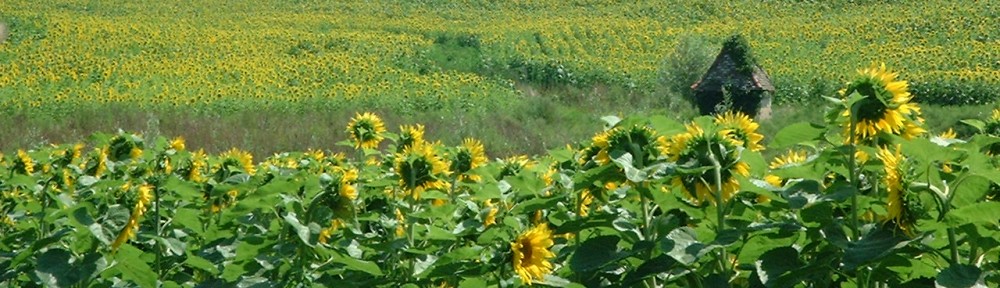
(495, 144)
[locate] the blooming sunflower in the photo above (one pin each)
(694, 149)
(894, 165)
(177, 144)
(741, 128)
(145, 195)
(531, 253)
(884, 108)
(586, 198)
(366, 130)
(420, 167)
(408, 135)
(470, 155)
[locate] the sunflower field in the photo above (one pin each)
(867, 198)
(224, 55)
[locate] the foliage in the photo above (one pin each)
(647, 201)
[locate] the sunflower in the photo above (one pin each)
(141, 204)
(366, 130)
(513, 165)
(177, 144)
(240, 159)
(694, 149)
(420, 167)
(586, 198)
(408, 135)
(23, 163)
(884, 108)
(470, 155)
(531, 253)
(790, 158)
(326, 233)
(491, 213)
(635, 140)
(742, 128)
(894, 164)
(348, 178)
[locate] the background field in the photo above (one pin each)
(525, 76)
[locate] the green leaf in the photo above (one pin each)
(53, 268)
(975, 123)
(472, 283)
(301, 230)
(970, 191)
(610, 121)
(624, 161)
(984, 212)
(134, 268)
(595, 253)
(535, 204)
(875, 245)
(358, 265)
(201, 263)
(775, 263)
(438, 233)
(960, 276)
(651, 267)
(665, 126)
(683, 246)
(797, 133)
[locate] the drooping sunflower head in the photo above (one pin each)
(884, 107)
(421, 167)
(639, 141)
(366, 130)
(895, 181)
(532, 254)
(790, 158)
(698, 148)
(239, 159)
(23, 163)
(125, 146)
(992, 126)
(513, 165)
(470, 155)
(409, 134)
(741, 128)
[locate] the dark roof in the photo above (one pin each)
(725, 71)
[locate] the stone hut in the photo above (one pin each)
(735, 73)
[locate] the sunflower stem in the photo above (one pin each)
(953, 245)
(851, 167)
(720, 209)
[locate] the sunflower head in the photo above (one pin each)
(895, 181)
(532, 254)
(23, 163)
(239, 159)
(790, 158)
(125, 146)
(639, 141)
(366, 130)
(741, 128)
(420, 167)
(409, 134)
(696, 149)
(177, 144)
(470, 155)
(513, 165)
(884, 106)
